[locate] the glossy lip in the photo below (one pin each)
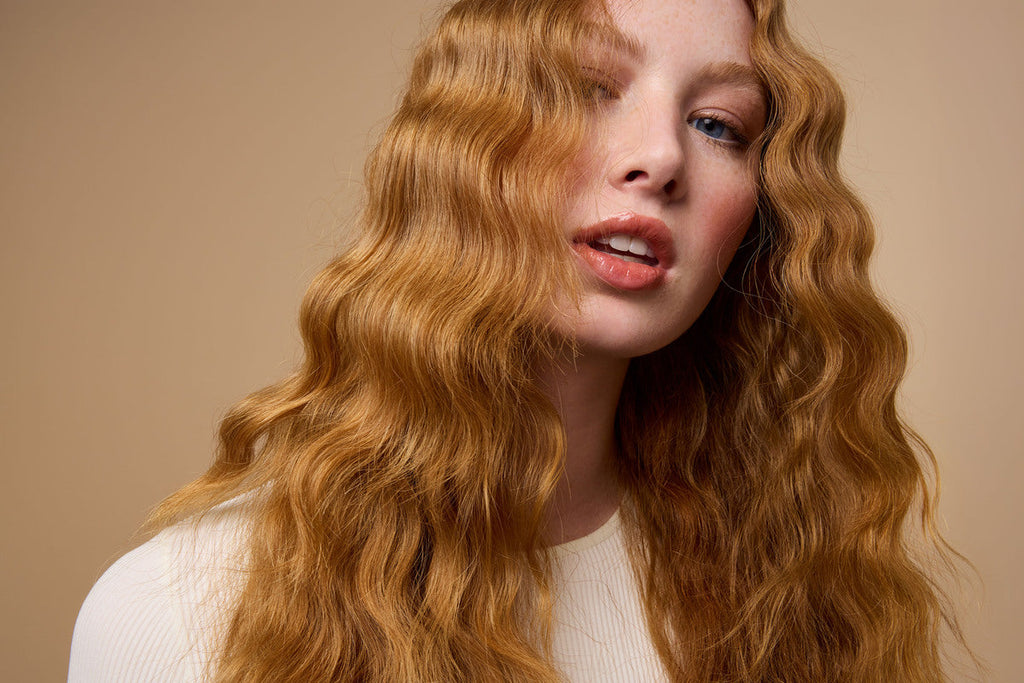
(625, 274)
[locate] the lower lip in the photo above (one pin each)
(618, 273)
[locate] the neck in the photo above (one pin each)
(585, 391)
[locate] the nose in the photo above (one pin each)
(650, 158)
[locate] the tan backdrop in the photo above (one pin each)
(172, 175)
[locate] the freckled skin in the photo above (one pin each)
(646, 157)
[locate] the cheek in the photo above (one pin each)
(728, 210)
(585, 180)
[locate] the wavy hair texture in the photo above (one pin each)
(405, 468)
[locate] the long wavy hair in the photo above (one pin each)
(405, 468)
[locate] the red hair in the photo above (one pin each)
(406, 466)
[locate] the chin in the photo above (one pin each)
(615, 349)
(623, 326)
(623, 338)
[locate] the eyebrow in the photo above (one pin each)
(731, 73)
(616, 41)
(715, 73)
(622, 42)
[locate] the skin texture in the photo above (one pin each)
(669, 142)
(655, 154)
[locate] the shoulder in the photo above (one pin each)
(155, 613)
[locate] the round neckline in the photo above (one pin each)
(595, 537)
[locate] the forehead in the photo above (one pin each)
(716, 30)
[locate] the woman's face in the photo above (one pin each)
(667, 191)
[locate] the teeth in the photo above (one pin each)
(620, 242)
(628, 243)
(639, 247)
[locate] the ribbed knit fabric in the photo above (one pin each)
(599, 632)
(155, 615)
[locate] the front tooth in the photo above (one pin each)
(620, 242)
(650, 252)
(637, 246)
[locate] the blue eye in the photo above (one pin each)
(717, 130)
(713, 128)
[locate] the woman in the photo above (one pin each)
(602, 392)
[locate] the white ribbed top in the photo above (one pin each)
(600, 634)
(155, 614)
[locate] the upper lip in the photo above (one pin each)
(647, 228)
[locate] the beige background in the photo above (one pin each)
(172, 175)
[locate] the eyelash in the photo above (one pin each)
(600, 81)
(738, 141)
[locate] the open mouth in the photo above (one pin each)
(628, 251)
(629, 248)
